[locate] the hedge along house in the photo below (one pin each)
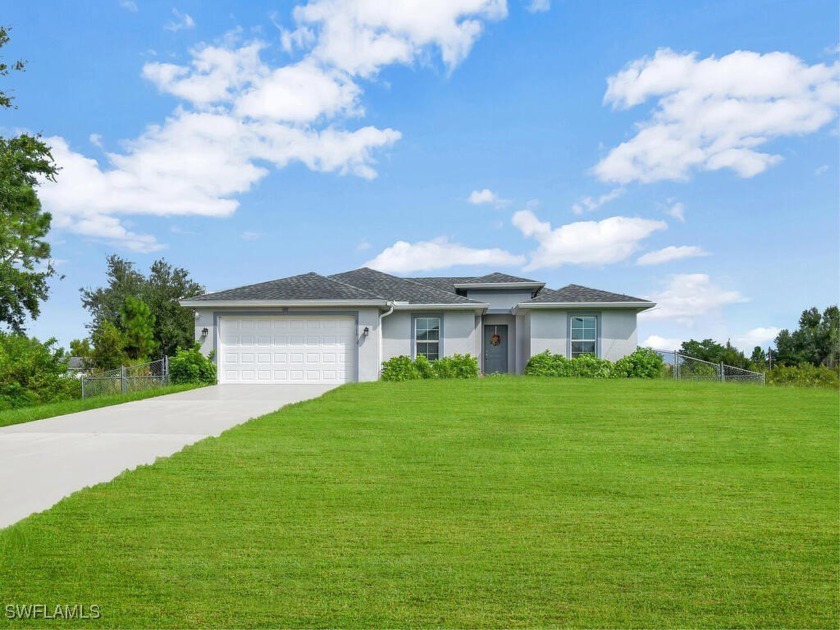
(340, 328)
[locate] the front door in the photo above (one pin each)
(495, 349)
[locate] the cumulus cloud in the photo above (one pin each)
(689, 296)
(676, 210)
(715, 113)
(662, 343)
(585, 242)
(485, 196)
(181, 21)
(590, 204)
(761, 336)
(239, 115)
(361, 36)
(128, 5)
(538, 6)
(671, 253)
(439, 253)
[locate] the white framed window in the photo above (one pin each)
(427, 337)
(584, 335)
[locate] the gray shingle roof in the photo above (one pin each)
(444, 284)
(399, 289)
(497, 278)
(307, 286)
(577, 293)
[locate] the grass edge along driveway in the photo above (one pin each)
(496, 502)
(8, 417)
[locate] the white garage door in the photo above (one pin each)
(287, 349)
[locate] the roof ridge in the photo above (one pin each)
(258, 284)
(353, 286)
(426, 287)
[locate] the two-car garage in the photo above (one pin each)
(287, 349)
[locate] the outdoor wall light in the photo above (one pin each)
(204, 332)
(366, 331)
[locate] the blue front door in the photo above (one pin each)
(495, 349)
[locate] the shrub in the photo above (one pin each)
(33, 373)
(192, 367)
(590, 366)
(457, 366)
(643, 363)
(804, 375)
(403, 368)
(400, 368)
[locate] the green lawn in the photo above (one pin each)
(496, 502)
(39, 412)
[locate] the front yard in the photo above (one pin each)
(495, 502)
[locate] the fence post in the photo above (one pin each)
(83, 386)
(122, 379)
(722, 374)
(166, 370)
(676, 365)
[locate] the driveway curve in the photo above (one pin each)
(44, 461)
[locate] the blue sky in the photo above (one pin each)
(685, 152)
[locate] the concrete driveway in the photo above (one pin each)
(42, 462)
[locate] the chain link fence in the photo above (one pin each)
(683, 367)
(127, 379)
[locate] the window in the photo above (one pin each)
(584, 335)
(427, 337)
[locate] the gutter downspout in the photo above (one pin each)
(381, 317)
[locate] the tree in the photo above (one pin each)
(758, 358)
(24, 253)
(81, 349)
(816, 341)
(138, 328)
(710, 350)
(108, 347)
(173, 326)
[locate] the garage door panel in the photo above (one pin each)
(287, 349)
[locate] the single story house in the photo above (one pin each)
(334, 329)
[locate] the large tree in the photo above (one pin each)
(816, 341)
(25, 266)
(173, 327)
(710, 350)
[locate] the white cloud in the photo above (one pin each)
(484, 196)
(128, 5)
(439, 253)
(715, 113)
(241, 115)
(676, 210)
(361, 36)
(761, 336)
(671, 253)
(538, 6)
(821, 170)
(585, 242)
(181, 21)
(590, 204)
(96, 140)
(689, 296)
(662, 343)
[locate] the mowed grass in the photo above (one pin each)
(39, 412)
(496, 502)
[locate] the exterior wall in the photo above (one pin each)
(368, 347)
(523, 341)
(510, 322)
(459, 333)
(617, 332)
(499, 300)
(548, 331)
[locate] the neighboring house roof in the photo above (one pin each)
(399, 289)
(576, 293)
(307, 286)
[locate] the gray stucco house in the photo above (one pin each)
(334, 329)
